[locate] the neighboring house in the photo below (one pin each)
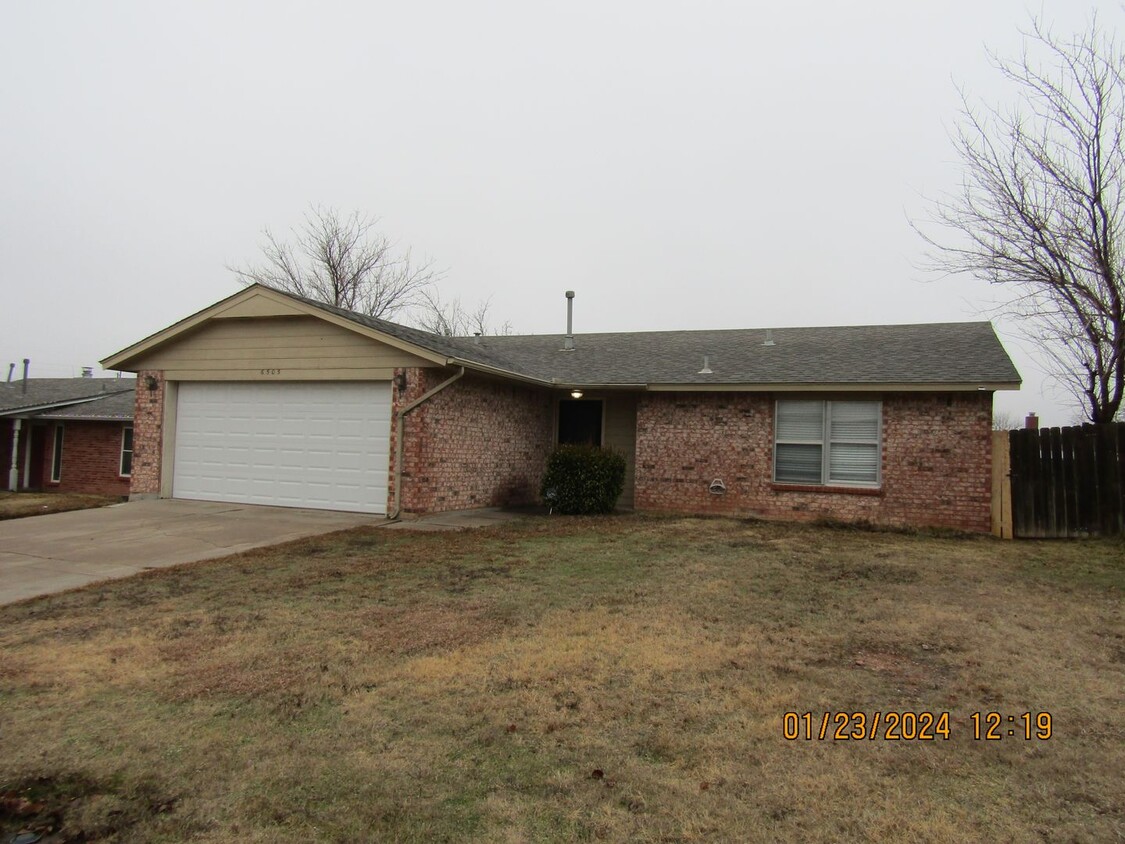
(269, 398)
(67, 435)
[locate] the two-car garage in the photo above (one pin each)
(313, 444)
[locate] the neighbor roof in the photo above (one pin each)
(113, 407)
(47, 394)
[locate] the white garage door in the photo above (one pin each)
(321, 444)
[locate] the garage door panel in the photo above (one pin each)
(323, 445)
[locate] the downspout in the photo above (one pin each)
(399, 433)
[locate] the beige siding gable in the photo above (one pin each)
(284, 348)
(259, 305)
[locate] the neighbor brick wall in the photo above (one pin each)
(936, 461)
(478, 443)
(91, 458)
(148, 434)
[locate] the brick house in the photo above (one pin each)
(269, 398)
(67, 435)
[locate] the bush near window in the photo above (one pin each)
(583, 479)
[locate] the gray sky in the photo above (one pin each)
(679, 165)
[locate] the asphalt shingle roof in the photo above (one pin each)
(48, 392)
(928, 353)
(108, 408)
(936, 353)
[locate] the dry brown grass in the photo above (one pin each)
(563, 679)
(17, 505)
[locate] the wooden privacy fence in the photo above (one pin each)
(1068, 482)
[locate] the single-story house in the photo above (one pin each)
(67, 434)
(270, 398)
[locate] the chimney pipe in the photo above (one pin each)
(26, 364)
(1031, 422)
(87, 372)
(568, 343)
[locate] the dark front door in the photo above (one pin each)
(580, 422)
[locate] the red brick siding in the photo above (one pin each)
(478, 443)
(148, 433)
(91, 458)
(936, 461)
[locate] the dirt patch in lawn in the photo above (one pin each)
(620, 679)
(18, 505)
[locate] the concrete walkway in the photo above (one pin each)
(44, 554)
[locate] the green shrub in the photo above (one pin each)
(582, 479)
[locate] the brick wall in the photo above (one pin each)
(478, 443)
(91, 458)
(935, 471)
(148, 434)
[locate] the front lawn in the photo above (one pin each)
(556, 679)
(17, 505)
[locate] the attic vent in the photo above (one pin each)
(769, 338)
(706, 370)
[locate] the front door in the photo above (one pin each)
(580, 422)
(37, 443)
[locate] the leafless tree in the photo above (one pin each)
(343, 261)
(451, 319)
(1003, 420)
(1040, 208)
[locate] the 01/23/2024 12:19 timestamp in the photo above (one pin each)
(914, 726)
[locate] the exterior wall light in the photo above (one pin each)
(576, 394)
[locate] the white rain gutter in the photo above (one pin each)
(399, 431)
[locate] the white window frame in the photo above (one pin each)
(56, 453)
(826, 443)
(121, 459)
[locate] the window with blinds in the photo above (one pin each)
(827, 442)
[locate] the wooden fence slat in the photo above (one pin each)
(1069, 438)
(1058, 484)
(1087, 481)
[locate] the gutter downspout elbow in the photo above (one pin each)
(400, 431)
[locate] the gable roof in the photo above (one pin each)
(49, 394)
(960, 355)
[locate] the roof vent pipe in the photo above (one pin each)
(11, 369)
(568, 341)
(26, 364)
(706, 370)
(769, 338)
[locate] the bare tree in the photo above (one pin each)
(1003, 420)
(1040, 208)
(343, 261)
(451, 319)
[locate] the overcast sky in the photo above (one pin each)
(679, 165)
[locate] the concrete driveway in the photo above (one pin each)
(44, 554)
